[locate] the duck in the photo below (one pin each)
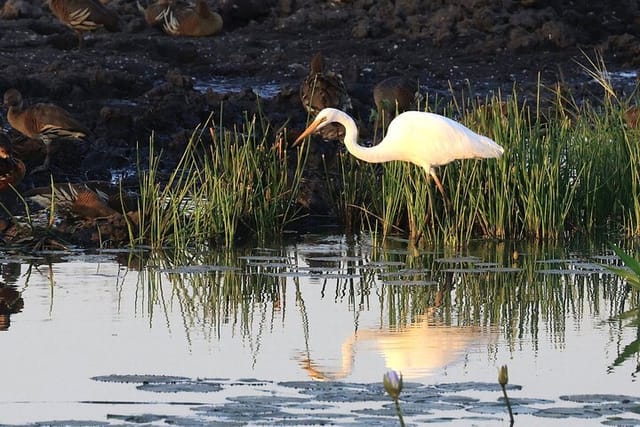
(632, 117)
(392, 96)
(88, 200)
(323, 89)
(12, 169)
(154, 12)
(196, 21)
(42, 121)
(84, 15)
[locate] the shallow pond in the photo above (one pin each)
(302, 334)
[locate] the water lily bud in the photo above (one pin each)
(503, 375)
(392, 382)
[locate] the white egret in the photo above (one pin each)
(425, 139)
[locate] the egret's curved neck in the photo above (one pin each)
(376, 154)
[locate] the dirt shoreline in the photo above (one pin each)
(127, 85)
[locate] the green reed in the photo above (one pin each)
(350, 184)
(227, 182)
(570, 166)
(392, 202)
(631, 196)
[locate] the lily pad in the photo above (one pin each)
(195, 269)
(493, 408)
(472, 385)
(269, 400)
(163, 379)
(458, 260)
(621, 422)
(401, 282)
(179, 387)
(138, 419)
(600, 398)
(70, 423)
(559, 412)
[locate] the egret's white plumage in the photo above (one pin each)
(425, 139)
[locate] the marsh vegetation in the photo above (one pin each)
(571, 167)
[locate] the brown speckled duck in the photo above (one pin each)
(89, 200)
(84, 15)
(12, 169)
(323, 89)
(154, 12)
(632, 117)
(41, 121)
(196, 21)
(394, 95)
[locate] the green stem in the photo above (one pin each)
(399, 412)
(506, 399)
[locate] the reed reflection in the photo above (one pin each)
(434, 308)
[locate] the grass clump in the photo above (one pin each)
(570, 166)
(227, 184)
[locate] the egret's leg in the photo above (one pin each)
(432, 172)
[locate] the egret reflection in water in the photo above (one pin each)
(416, 350)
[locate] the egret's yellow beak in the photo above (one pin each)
(309, 130)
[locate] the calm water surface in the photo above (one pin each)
(98, 334)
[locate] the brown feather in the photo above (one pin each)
(89, 205)
(323, 89)
(394, 94)
(75, 200)
(154, 13)
(43, 121)
(84, 15)
(192, 22)
(12, 170)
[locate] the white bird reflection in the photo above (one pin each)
(418, 350)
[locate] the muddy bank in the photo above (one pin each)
(129, 85)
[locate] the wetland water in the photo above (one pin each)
(302, 334)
